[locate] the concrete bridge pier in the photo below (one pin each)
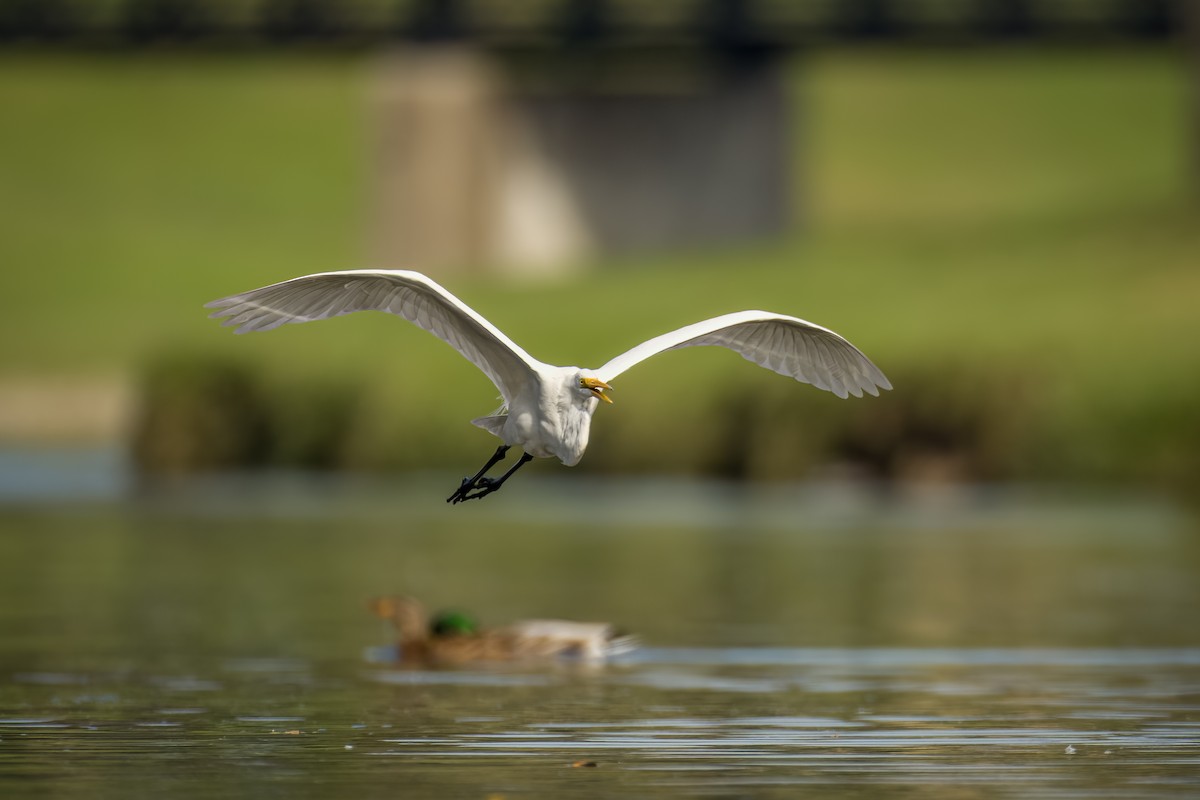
(482, 162)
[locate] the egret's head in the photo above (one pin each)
(595, 386)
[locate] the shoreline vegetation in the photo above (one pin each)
(1007, 233)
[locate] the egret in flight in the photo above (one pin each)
(547, 410)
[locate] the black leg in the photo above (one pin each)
(468, 484)
(485, 486)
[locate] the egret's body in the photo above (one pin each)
(547, 410)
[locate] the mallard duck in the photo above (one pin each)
(452, 637)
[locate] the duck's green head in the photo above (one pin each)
(452, 623)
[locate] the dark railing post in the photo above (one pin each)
(1190, 9)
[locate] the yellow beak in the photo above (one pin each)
(597, 387)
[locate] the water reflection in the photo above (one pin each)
(664, 723)
(1018, 720)
(198, 642)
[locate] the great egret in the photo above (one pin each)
(547, 410)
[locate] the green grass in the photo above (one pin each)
(1016, 214)
(132, 187)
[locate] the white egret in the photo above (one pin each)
(547, 410)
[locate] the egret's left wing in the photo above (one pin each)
(411, 295)
(787, 345)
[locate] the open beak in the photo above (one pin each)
(597, 387)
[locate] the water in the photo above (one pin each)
(211, 638)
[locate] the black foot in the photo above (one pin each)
(464, 489)
(466, 486)
(483, 487)
(479, 486)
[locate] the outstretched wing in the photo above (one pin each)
(787, 345)
(406, 294)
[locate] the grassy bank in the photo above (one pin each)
(1005, 233)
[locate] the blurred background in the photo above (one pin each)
(996, 200)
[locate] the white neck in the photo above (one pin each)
(576, 426)
(574, 420)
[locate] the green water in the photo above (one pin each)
(211, 638)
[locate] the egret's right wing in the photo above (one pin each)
(406, 294)
(787, 345)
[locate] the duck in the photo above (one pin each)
(454, 637)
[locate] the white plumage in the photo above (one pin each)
(547, 409)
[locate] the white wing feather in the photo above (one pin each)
(787, 345)
(406, 294)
